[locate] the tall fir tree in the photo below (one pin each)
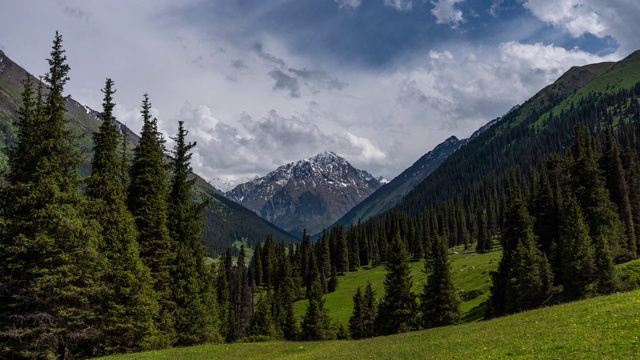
(316, 322)
(130, 304)
(193, 320)
(616, 183)
(362, 320)
(439, 305)
(398, 308)
(576, 250)
(147, 200)
(50, 268)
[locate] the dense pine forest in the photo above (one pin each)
(115, 262)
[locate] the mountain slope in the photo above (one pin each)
(311, 193)
(392, 193)
(225, 221)
(525, 136)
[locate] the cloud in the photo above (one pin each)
(368, 150)
(400, 5)
(74, 11)
(595, 17)
(257, 147)
(289, 78)
(238, 64)
(351, 4)
(317, 80)
(285, 82)
(496, 7)
(446, 12)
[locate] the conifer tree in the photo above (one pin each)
(239, 301)
(362, 320)
(50, 268)
(332, 285)
(370, 311)
(262, 322)
(354, 249)
(576, 251)
(523, 278)
(356, 325)
(316, 322)
(193, 320)
(130, 304)
(147, 201)
(397, 310)
(588, 185)
(439, 304)
(616, 183)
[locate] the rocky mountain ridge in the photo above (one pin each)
(311, 193)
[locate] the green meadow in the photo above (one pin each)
(605, 327)
(470, 273)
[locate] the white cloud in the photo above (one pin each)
(446, 12)
(400, 5)
(613, 18)
(576, 16)
(369, 151)
(349, 3)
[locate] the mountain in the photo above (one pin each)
(526, 135)
(225, 221)
(311, 193)
(393, 191)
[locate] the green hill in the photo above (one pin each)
(600, 328)
(225, 221)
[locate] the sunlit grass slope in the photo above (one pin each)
(605, 327)
(470, 272)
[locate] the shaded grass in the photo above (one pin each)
(598, 328)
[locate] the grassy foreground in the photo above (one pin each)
(605, 327)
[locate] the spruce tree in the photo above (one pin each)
(439, 304)
(262, 322)
(50, 268)
(370, 311)
(362, 320)
(147, 201)
(130, 305)
(616, 183)
(576, 250)
(316, 322)
(398, 308)
(356, 324)
(193, 320)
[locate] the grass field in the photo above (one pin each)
(605, 327)
(470, 272)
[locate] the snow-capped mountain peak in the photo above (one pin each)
(313, 192)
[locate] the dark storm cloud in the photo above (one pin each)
(285, 82)
(238, 64)
(74, 11)
(317, 80)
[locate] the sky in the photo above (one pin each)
(263, 83)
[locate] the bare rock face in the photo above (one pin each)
(311, 193)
